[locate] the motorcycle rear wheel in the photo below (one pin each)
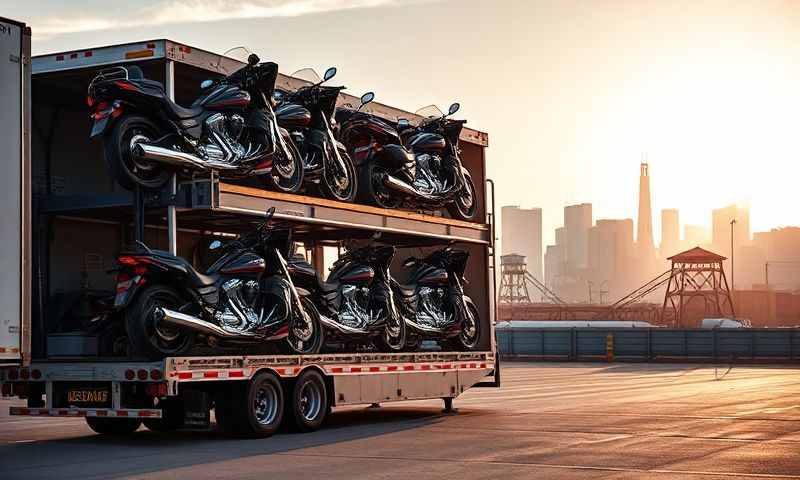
(371, 189)
(287, 173)
(127, 168)
(148, 338)
(465, 205)
(328, 187)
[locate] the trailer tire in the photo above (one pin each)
(113, 426)
(307, 406)
(172, 414)
(254, 410)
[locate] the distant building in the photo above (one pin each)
(670, 233)
(553, 262)
(695, 236)
(644, 227)
(577, 222)
(721, 228)
(522, 234)
(611, 254)
(780, 248)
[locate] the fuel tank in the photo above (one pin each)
(353, 274)
(429, 276)
(224, 97)
(291, 115)
(246, 263)
(427, 142)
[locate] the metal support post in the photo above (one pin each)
(172, 213)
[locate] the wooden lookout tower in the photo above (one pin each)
(513, 288)
(697, 278)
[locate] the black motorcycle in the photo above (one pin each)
(433, 302)
(308, 114)
(356, 303)
(246, 297)
(412, 166)
(230, 128)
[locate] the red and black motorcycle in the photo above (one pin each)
(403, 165)
(230, 128)
(246, 297)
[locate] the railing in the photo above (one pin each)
(651, 344)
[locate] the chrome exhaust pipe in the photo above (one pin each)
(399, 185)
(190, 322)
(170, 157)
(422, 328)
(333, 325)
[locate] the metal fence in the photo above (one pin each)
(650, 344)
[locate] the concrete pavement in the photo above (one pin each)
(551, 421)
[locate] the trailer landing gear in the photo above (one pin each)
(448, 406)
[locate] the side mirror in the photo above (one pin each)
(367, 97)
(252, 59)
(206, 83)
(453, 108)
(403, 122)
(214, 245)
(329, 73)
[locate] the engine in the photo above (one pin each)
(223, 139)
(354, 311)
(429, 178)
(240, 310)
(431, 310)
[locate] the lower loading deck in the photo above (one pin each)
(353, 378)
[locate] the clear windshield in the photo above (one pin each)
(431, 111)
(233, 59)
(308, 74)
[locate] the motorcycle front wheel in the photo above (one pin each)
(306, 336)
(465, 205)
(128, 168)
(337, 185)
(469, 338)
(371, 189)
(393, 338)
(287, 173)
(147, 335)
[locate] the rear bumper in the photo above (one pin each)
(85, 412)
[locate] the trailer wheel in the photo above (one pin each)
(113, 426)
(172, 414)
(307, 406)
(254, 410)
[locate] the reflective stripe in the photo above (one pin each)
(84, 412)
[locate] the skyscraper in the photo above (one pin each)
(644, 227)
(577, 222)
(611, 253)
(670, 233)
(721, 228)
(522, 234)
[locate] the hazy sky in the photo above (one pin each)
(570, 92)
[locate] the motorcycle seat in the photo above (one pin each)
(328, 287)
(407, 290)
(195, 278)
(156, 89)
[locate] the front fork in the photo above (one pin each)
(333, 146)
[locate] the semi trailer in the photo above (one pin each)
(74, 220)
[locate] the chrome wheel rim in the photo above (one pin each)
(310, 401)
(265, 404)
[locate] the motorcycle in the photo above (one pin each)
(433, 303)
(356, 303)
(308, 114)
(230, 128)
(246, 297)
(414, 166)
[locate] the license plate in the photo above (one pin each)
(88, 396)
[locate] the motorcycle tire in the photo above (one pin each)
(317, 337)
(286, 175)
(468, 339)
(465, 205)
(327, 185)
(149, 339)
(371, 192)
(128, 169)
(386, 342)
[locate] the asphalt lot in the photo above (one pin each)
(550, 421)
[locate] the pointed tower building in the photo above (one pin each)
(644, 227)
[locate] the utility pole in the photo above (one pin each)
(733, 289)
(766, 274)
